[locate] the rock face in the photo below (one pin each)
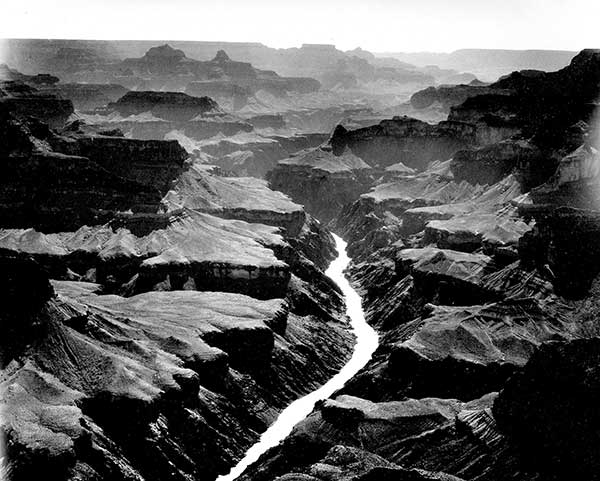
(168, 67)
(349, 155)
(410, 141)
(177, 311)
(156, 316)
(24, 100)
(36, 179)
(430, 438)
(322, 180)
(242, 198)
(449, 96)
(166, 105)
(565, 212)
(492, 163)
(206, 131)
(506, 129)
(548, 409)
(9, 74)
(480, 273)
(127, 394)
(256, 156)
(156, 162)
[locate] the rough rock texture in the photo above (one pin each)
(402, 139)
(426, 439)
(156, 163)
(257, 155)
(343, 463)
(475, 289)
(37, 179)
(461, 352)
(549, 410)
(321, 180)
(243, 198)
(192, 250)
(480, 289)
(490, 164)
(522, 124)
(166, 105)
(185, 311)
(565, 210)
(26, 101)
(494, 233)
(102, 386)
(206, 131)
(449, 95)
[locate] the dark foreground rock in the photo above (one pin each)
(480, 273)
(185, 310)
(25, 100)
(176, 385)
(549, 410)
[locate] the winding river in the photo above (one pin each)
(366, 343)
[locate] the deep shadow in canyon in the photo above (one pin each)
(165, 225)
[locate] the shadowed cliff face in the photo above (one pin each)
(515, 126)
(167, 105)
(176, 311)
(558, 437)
(250, 145)
(24, 100)
(481, 276)
(156, 316)
(51, 190)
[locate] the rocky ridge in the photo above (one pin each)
(480, 274)
(159, 315)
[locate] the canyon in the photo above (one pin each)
(173, 280)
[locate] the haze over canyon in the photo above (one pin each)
(255, 261)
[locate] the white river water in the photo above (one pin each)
(366, 343)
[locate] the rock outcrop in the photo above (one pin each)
(410, 141)
(26, 101)
(480, 273)
(103, 386)
(449, 95)
(9, 74)
(165, 105)
(548, 410)
(36, 181)
(184, 310)
(321, 180)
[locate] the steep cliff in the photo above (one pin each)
(184, 311)
(481, 275)
(26, 101)
(321, 180)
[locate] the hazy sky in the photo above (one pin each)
(377, 25)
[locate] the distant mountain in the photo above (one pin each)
(488, 64)
(324, 62)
